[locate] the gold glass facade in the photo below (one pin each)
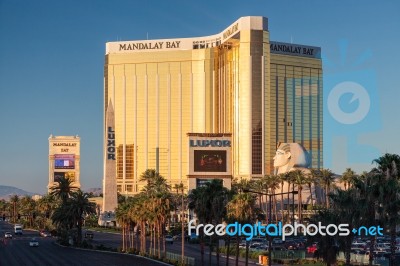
(295, 109)
(225, 83)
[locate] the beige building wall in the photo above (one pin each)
(64, 159)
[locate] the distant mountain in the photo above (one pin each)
(6, 192)
(96, 191)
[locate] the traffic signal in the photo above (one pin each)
(47, 215)
(19, 216)
(34, 215)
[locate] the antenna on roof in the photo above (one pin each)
(147, 34)
(291, 39)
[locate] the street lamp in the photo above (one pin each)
(270, 214)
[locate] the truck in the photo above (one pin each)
(18, 229)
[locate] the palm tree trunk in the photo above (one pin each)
(217, 250)
(348, 240)
(143, 238)
(162, 236)
(247, 253)
(123, 237)
(287, 203)
(80, 231)
(371, 250)
(129, 237)
(159, 239)
(327, 196)
(155, 239)
(300, 199)
(151, 241)
(275, 209)
(201, 248)
(237, 251)
(227, 251)
(136, 238)
(311, 195)
(392, 260)
(211, 249)
(282, 201)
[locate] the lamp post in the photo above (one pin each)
(293, 205)
(183, 229)
(270, 195)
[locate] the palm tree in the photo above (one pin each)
(347, 178)
(273, 183)
(80, 206)
(289, 180)
(198, 203)
(260, 186)
(387, 170)
(14, 205)
(327, 248)
(63, 189)
(299, 179)
(238, 186)
(242, 209)
(139, 214)
(219, 200)
(181, 188)
(158, 199)
(70, 214)
(208, 203)
(367, 186)
(27, 207)
(327, 179)
(346, 205)
(45, 205)
(282, 179)
(3, 207)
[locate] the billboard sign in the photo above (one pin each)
(64, 161)
(209, 161)
(58, 176)
(210, 154)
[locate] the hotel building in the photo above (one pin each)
(170, 93)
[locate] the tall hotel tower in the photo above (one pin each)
(236, 83)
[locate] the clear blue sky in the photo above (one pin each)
(52, 57)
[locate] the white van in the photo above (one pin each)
(18, 229)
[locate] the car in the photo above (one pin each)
(312, 248)
(278, 248)
(33, 243)
(169, 239)
(193, 236)
(177, 237)
(291, 245)
(45, 233)
(89, 234)
(277, 241)
(8, 235)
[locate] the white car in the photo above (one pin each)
(7, 235)
(33, 243)
(169, 239)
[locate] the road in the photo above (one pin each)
(114, 240)
(17, 252)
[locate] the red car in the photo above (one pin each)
(312, 248)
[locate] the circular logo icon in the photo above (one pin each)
(359, 93)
